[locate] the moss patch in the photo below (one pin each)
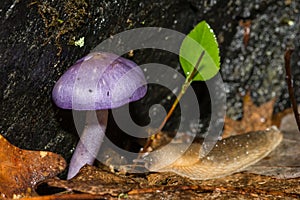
(61, 23)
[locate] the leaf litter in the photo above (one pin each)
(255, 118)
(20, 169)
(96, 183)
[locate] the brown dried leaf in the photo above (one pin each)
(278, 117)
(255, 118)
(93, 180)
(21, 169)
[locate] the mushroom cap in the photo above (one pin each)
(99, 81)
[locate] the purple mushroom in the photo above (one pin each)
(96, 83)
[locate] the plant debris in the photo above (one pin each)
(255, 118)
(21, 169)
(171, 186)
(93, 180)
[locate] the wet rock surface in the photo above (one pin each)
(37, 45)
(260, 67)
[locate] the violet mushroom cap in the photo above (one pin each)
(101, 71)
(97, 82)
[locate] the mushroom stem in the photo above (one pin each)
(90, 141)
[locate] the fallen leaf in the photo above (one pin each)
(95, 181)
(255, 118)
(21, 169)
(278, 117)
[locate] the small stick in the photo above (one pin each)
(288, 78)
(184, 87)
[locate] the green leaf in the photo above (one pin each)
(201, 38)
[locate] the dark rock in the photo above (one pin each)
(37, 46)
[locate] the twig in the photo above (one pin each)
(288, 78)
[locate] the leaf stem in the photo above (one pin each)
(184, 87)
